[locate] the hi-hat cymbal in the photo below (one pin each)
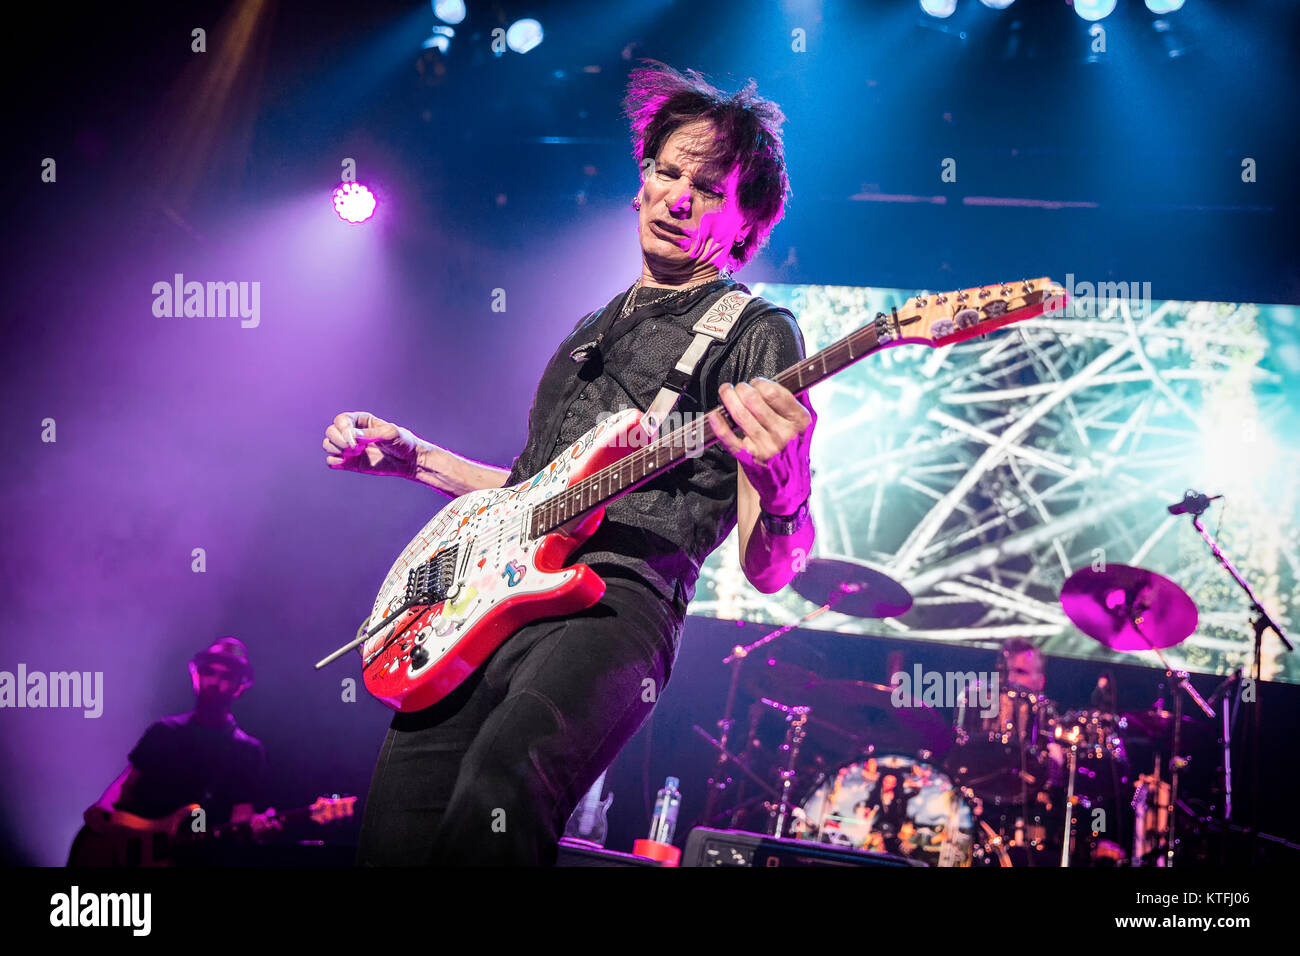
(871, 593)
(1127, 608)
(1158, 725)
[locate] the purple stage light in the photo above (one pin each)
(353, 202)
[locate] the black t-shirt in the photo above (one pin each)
(661, 532)
(182, 762)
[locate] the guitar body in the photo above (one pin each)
(117, 838)
(495, 576)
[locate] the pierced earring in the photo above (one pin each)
(740, 241)
(636, 204)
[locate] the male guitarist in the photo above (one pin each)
(200, 757)
(490, 773)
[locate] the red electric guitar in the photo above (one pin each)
(492, 561)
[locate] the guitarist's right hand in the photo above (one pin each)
(365, 443)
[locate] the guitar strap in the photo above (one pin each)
(713, 326)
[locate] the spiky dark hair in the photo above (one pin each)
(660, 100)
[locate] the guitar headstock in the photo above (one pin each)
(326, 809)
(943, 318)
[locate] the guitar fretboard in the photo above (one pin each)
(658, 456)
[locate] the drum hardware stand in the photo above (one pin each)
(1176, 761)
(739, 762)
(718, 781)
(797, 719)
(1261, 621)
(1148, 793)
(1068, 838)
(1176, 764)
(1231, 710)
(1024, 783)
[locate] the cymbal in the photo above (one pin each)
(849, 712)
(872, 593)
(1128, 609)
(796, 686)
(779, 681)
(1156, 725)
(862, 704)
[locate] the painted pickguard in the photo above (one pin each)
(496, 562)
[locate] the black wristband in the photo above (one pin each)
(785, 524)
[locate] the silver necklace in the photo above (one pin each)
(630, 303)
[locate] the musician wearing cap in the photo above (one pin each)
(201, 756)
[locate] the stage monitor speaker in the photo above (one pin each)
(707, 847)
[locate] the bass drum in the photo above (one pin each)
(895, 803)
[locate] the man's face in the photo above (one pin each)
(1026, 670)
(687, 221)
(217, 683)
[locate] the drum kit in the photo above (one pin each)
(1010, 780)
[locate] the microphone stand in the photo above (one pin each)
(1177, 678)
(1261, 621)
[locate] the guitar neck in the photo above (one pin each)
(932, 320)
(629, 473)
(226, 829)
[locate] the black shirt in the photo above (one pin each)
(661, 532)
(181, 762)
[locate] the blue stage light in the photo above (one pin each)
(449, 11)
(441, 39)
(523, 35)
(1094, 9)
(997, 4)
(939, 8)
(1164, 6)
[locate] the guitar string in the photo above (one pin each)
(647, 458)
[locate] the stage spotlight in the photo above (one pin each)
(1164, 6)
(997, 4)
(449, 11)
(1094, 9)
(441, 39)
(939, 8)
(353, 202)
(523, 35)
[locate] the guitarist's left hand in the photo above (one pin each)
(778, 431)
(264, 823)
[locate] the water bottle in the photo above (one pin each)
(664, 822)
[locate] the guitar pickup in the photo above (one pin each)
(430, 582)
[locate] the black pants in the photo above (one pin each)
(491, 773)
